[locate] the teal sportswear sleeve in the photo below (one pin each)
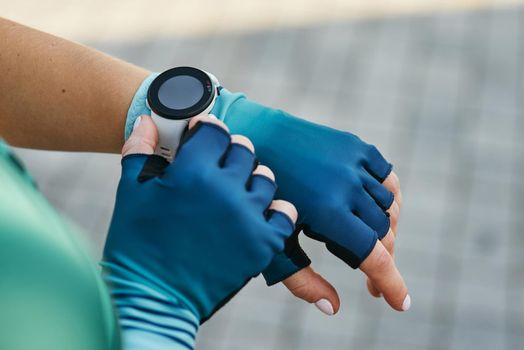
(51, 294)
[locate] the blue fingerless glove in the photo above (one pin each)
(333, 178)
(181, 244)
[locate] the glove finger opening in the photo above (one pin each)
(201, 147)
(382, 196)
(351, 240)
(372, 215)
(263, 189)
(376, 164)
(288, 262)
(240, 160)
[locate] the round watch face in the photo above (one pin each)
(180, 93)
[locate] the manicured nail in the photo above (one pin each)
(212, 116)
(325, 306)
(407, 303)
(137, 121)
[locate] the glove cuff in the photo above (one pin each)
(151, 316)
(224, 102)
(144, 309)
(138, 105)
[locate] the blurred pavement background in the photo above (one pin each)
(438, 86)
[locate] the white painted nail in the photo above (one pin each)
(407, 303)
(137, 121)
(212, 116)
(325, 306)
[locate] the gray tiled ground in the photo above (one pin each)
(441, 95)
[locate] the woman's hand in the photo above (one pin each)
(183, 242)
(345, 193)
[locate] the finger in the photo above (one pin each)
(381, 270)
(138, 148)
(240, 158)
(264, 171)
(389, 243)
(205, 135)
(308, 285)
(244, 141)
(392, 183)
(282, 216)
(285, 208)
(262, 186)
(206, 119)
(286, 263)
(202, 146)
(143, 139)
(376, 165)
(382, 196)
(351, 239)
(394, 213)
(372, 289)
(371, 214)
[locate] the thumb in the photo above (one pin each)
(143, 139)
(308, 285)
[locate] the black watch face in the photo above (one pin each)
(180, 93)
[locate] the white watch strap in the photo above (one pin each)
(169, 135)
(170, 131)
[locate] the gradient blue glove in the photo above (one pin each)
(181, 244)
(332, 177)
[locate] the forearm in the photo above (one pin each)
(56, 94)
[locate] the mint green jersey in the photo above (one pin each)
(51, 292)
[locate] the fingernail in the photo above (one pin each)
(407, 303)
(212, 116)
(325, 306)
(137, 121)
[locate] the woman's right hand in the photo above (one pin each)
(183, 242)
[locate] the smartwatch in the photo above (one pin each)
(176, 96)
